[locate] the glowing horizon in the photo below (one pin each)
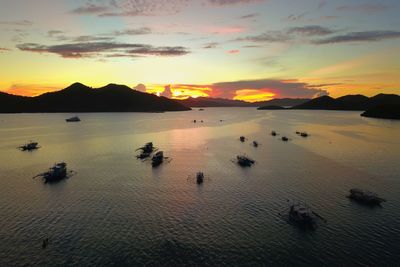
(249, 50)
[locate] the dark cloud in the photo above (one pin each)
(210, 45)
(289, 34)
(98, 49)
(367, 36)
(281, 88)
(270, 37)
(17, 23)
(294, 17)
(311, 30)
(250, 16)
(54, 33)
(138, 31)
(90, 8)
(365, 8)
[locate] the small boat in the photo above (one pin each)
(157, 159)
(245, 161)
(242, 139)
(285, 139)
(298, 133)
(55, 173)
(73, 119)
(194, 121)
(29, 146)
(304, 134)
(255, 143)
(143, 155)
(302, 215)
(201, 121)
(201, 109)
(148, 147)
(199, 177)
(365, 197)
(273, 133)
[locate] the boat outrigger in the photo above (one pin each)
(157, 159)
(245, 161)
(73, 119)
(29, 146)
(365, 197)
(55, 173)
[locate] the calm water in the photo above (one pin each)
(117, 210)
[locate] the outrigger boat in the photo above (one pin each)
(147, 149)
(73, 119)
(157, 159)
(55, 173)
(285, 139)
(244, 161)
(255, 143)
(365, 197)
(273, 133)
(242, 138)
(303, 216)
(29, 146)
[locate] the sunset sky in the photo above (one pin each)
(240, 49)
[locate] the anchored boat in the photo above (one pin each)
(55, 173)
(157, 159)
(73, 119)
(365, 197)
(199, 177)
(29, 146)
(245, 161)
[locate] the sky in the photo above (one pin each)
(248, 50)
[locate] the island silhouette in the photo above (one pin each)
(81, 98)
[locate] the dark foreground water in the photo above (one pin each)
(117, 210)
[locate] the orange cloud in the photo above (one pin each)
(31, 89)
(252, 95)
(235, 51)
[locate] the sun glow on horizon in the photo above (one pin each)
(252, 95)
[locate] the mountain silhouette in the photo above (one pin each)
(385, 106)
(81, 98)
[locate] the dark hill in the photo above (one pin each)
(389, 111)
(283, 102)
(80, 98)
(323, 102)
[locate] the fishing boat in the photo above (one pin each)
(273, 133)
(245, 161)
(55, 173)
(285, 139)
(29, 146)
(365, 197)
(73, 119)
(199, 177)
(255, 143)
(157, 159)
(242, 139)
(302, 215)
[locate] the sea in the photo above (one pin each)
(117, 210)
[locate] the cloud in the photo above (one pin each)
(311, 30)
(92, 49)
(280, 88)
(90, 8)
(250, 16)
(17, 23)
(3, 49)
(140, 87)
(365, 8)
(293, 17)
(167, 91)
(367, 36)
(210, 45)
(138, 31)
(234, 51)
(289, 34)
